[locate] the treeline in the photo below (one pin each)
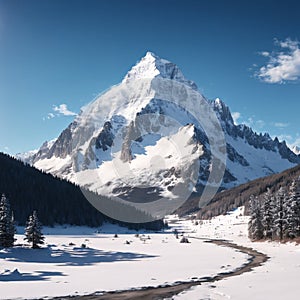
(57, 201)
(228, 200)
(276, 215)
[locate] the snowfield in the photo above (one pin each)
(277, 279)
(63, 267)
(108, 263)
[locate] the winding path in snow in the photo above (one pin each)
(167, 291)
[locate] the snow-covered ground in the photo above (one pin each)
(108, 263)
(277, 279)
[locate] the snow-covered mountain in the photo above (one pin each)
(296, 150)
(30, 156)
(27, 157)
(148, 137)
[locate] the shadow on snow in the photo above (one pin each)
(15, 275)
(69, 256)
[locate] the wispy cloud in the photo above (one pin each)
(292, 141)
(50, 116)
(62, 109)
(257, 125)
(4, 149)
(282, 65)
(236, 116)
(265, 53)
(260, 124)
(281, 124)
(285, 137)
(295, 143)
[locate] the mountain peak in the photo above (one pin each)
(223, 110)
(152, 66)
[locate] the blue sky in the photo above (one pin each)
(57, 55)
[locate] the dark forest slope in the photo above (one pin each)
(57, 201)
(230, 199)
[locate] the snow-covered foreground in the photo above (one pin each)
(277, 279)
(108, 263)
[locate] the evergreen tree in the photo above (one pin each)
(292, 208)
(12, 226)
(255, 226)
(33, 231)
(280, 222)
(7, 226)
(267, 214)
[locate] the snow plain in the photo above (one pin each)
(108, 263)
(277, 279)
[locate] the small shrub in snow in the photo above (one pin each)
(184, 240)
(143, 239)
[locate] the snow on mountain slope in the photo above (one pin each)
(29, 156)
(296, 150)
(137, 140)
(26, 156)
(53, 164)
(152, 66)
(261, 162)
(147, 169)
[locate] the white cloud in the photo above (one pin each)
(294, 142)
(235, 116)
(285, 137)
(283, 65)
(62, 109)
(50, 116)
(4, 149)
(281, 124)
(257, 125)
(265, 53)
(291, 141)
(260, 124)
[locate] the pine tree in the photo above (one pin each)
(12, 227)
(280, 214)
(267, 214)
(7, 226)
(292, 208)
(255, 227)
(33, 231)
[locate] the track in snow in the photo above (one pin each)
(167, 291)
